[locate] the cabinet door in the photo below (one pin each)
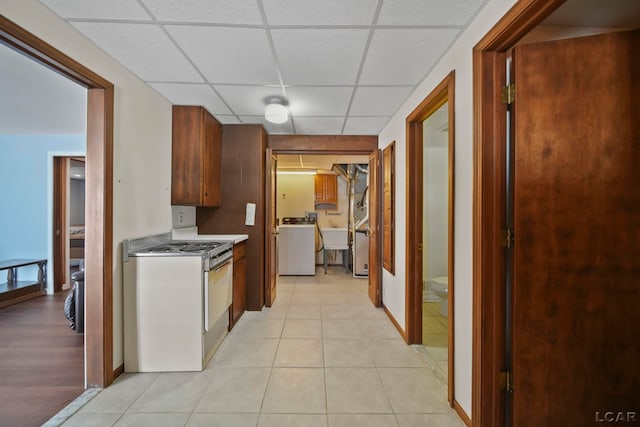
(326, 189)
(196, 153)
(331, 189)
(239, 288)
(211, 194)
(318, 186)
(186, 157)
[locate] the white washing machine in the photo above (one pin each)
(297, 250)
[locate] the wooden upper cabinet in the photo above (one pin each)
(326, 189)
(196, 156)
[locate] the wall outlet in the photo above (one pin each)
(181, 217)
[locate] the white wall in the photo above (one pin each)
(458, 58)
(142, 141)
(296, 196)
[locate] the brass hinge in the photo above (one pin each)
(508, 238)
(508, 94)
(506, 381)
(419, 246)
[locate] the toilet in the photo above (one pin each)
(440, 286)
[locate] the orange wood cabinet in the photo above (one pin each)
(196, 156)
(239, 283)
(326, 189)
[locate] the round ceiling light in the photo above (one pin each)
(276, 110)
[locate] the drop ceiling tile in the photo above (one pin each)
(271, 128)
(209, 11)
(319, 125)
(428, 12)
(401, 57)
(144, 49)
(319, 101)
(326, 12)
(319, 56)
(365, 125)
(228, 55)
(247, 100)
(192, 94)
(97, 9)
(378, 101)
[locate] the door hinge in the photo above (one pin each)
(506, 381)
(508, 238)
(508, 94)
(419, 246)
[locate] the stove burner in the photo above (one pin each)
(186, 247)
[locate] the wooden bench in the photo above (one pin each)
(15, 290)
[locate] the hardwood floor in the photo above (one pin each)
(41, 361)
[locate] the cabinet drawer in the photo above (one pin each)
(239, 250)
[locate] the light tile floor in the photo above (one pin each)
(321, 356)
(435, 338)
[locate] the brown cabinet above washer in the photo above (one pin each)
(195, 158)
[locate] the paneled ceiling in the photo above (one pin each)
(345, 66)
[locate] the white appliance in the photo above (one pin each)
(361, 254)
(176, 300)
(297, 249)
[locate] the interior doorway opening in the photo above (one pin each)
(322, 209)
(430, 222)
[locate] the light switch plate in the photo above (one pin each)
(250, 218)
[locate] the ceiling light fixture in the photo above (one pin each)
(276, 110)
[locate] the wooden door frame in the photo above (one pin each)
(60, 176)
(489, 195)
(325, 144)
(443, 92)
(99, 200)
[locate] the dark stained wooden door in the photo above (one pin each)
(375, 287)
(60, 177)
(271, 229)
(576, 303)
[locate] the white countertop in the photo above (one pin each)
(191, 233)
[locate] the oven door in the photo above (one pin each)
(218, 292)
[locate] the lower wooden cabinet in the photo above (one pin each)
(238, 304)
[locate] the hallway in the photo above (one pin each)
(321, 356)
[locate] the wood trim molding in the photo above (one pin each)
(389, 204)
(461, 413)
(488, 205)
(395, 322)
(347, 144)
(118, 371)
(444, 92)
(440, 94)
(99, 199)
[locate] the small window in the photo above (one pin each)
(388, 207)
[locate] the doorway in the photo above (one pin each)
(99, 209)
(435, 240)
(320, 145)
(68, 219)
(560, 307)
(333, 191)
(430, 227)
